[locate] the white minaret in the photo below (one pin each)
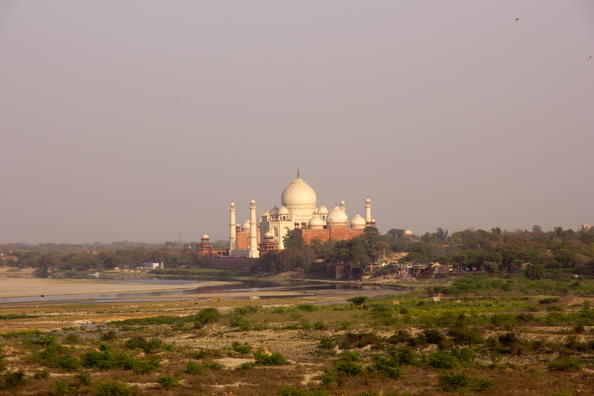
(232, 229)
(368, 218)
(253, 252)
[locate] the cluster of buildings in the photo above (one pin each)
(299, 210)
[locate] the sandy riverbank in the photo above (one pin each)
(29, 287)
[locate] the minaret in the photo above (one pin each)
(368, 218)
(232, 228)
(253, 252)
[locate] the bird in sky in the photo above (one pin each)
(517, 19)
(589, 57)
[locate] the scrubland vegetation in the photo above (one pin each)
(478, 335)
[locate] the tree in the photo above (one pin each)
(534, 271)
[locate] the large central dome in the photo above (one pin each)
(299, 196)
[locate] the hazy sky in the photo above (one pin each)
(141, 120)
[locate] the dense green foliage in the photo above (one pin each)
(533, 253)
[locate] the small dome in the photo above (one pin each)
(205, 237)
(274, 211)
(323, 210)
(358, 222)
(283, 211)
(232, 205)
(367, 200)
(269, 234)
(408, 233)
(316, 223)
(337, 216)
(265, 213)
(246, 225)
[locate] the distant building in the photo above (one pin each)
(298, 211)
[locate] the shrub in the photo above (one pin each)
(113, 389)
(442, 360)
(209, 364)
(42, 374)
(358, 340)
(240, 322)
(205, 316)
(433, 336)
(357, 301)
(55, 355)
(193, 368)
(273, 359)
(348, 368)
(63, 387)
(168, 382)
(241, 348)
(389, 365)
(72, 339)
(12, 379)
(458, 381)
(453, 381)
(108, 336)
(564, 363)
(307, 307)
(83, 379)
(150, 346)
(106, 360)
(246, 309)
(466, 335)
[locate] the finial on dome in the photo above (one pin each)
(297, 173)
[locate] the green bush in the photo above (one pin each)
(150, 346)
(273, 359)
(389, 365)
(42, 374)
(168, 382)
(564, 363)
(83, 379)
(246, 309)
(12, 379)
(72, 339)
(205, 316)
(193, 368)
(307, 307)
(453, 381)
(57, 356)
(442, 360)
(105, 359)
(241, 348)
(108, 336)
(113, 389)
(348, 368)
(358, 301)
(240, 322)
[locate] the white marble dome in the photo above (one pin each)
(316, 223)
(337, 216)
(358, 223)
(283, 211)
(323, 210)
(246, 225)
(205, 237)
(299, 195)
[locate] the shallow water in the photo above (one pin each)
(245, 287)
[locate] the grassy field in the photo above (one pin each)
(476, 335)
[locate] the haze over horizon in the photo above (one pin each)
(141, 120)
